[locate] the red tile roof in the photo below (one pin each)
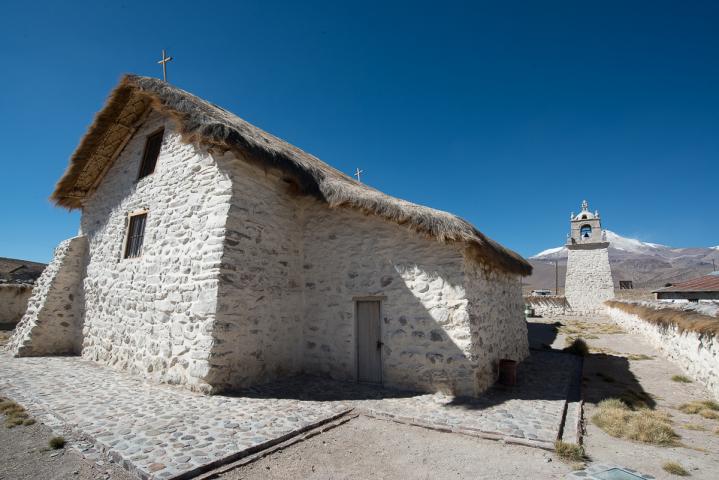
(707, 283)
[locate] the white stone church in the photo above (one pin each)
(214, 255)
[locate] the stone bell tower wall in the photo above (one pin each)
(589, 278)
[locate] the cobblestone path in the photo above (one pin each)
(160, 431)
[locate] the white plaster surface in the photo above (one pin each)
(589, 280)
(696, 354)
(54, 313)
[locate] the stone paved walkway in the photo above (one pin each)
(160, 431)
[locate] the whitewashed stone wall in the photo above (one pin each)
(240, 282)
(497, 322)
(426, 316)
(13, 303)
(258, 329)
(589, 280)
(52, 322)
(696, 354)
(549, 305)
(154, 315)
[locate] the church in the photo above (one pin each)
(215, 256)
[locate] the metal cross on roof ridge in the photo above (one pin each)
(358, 173)
(163, 62)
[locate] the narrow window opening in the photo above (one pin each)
(152, 151)
(135, 235)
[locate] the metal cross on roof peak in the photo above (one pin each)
(163, 62)
(358, 173)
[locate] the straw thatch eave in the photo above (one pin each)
(206, 124)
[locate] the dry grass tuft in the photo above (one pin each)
(710, 414)
(14, 414)
(587, 329)
(705, 408)
(694, 426)
(669, 317)
(577, 346)
(569, 452)
(681, 379)
(639, 356)
(675, 469)
(56, 443)
(643, 425)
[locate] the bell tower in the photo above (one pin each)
(589, 277)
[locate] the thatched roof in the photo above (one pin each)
(204, 123)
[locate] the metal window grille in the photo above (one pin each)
(135, 235)
(152, 151)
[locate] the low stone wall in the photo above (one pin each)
(52, 323)
(548, 306)
(13, 303)
(688, 339)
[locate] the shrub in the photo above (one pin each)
(675, 469)
(56, 443)
(577, 347)
(570, 452)
(681, 379)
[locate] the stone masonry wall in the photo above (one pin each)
(696, 354)
(425, 318)
(549, 305)
(52, 322)
(497, 322)
(13, 303)
(589, 280)
(258, 330)
(154, 315)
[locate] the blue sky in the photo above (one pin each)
(505, 113)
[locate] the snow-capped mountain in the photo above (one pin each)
(646, 264)
(616, 242)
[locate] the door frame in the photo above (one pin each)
(355, 344)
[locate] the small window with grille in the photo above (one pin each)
(135, 235)
(152, 151)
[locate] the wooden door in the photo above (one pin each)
(369, 342)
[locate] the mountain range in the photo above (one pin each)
(647, 265)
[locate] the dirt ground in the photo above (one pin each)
(25, 455)
(621, 363)
(368, 448)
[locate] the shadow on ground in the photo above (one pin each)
(609, 376)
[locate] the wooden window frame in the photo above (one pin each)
(125, 244)
(161, 133)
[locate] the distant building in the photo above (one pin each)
(702, 288)
(19, 271)
(17, 278)
(589, 278)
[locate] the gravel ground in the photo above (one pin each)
(25, 455)
(368, 448)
